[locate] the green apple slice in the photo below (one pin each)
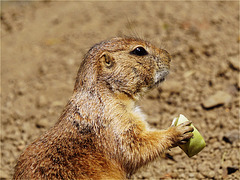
(195, 144)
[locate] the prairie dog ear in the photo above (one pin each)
(107, 60)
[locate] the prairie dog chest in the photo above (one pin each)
(139, 113)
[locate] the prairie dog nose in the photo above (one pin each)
(163, 60)
(165, 56)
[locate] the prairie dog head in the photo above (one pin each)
(126, 65)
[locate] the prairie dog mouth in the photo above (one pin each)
(160, 76)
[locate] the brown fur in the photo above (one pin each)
(101, 134)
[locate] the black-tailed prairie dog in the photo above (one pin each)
(101, 133)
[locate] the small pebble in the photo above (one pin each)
(57, 104)
(42, 101)
(25, 127)
(172, 86)
(232, 136)
(42, 123)
(199, 176)
(154, 120)
(153, 94)
(4, 175)
(202, 167)
(191, 175)
(43, 69)
(232, 169)
(219, 98)
(211, 174)
(234, 63)
(22, 89)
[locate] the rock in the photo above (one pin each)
(172, 86)
(43, 69)
(188, 73)
(234, 63)
(20, 148)
(154, 120)
(199, 176)
(211, 174)
(20, 113)
(204, 169)
(225, 165)
(238, 84)
(57, 104)
(228, 168)
(191, 175)
(174, 175)
(4, 175)
(41, 101)
(232, 136)
(232, 89)
(70, 62)
(219, 98)
(216, 145)
(42, 123)
(26, 126)
(153, 94)
(22, 89)
(232, 169)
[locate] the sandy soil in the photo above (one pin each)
(42, 45)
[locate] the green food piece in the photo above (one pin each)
(195, 144)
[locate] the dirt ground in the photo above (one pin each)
(43, 43)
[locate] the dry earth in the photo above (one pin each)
(43, 43)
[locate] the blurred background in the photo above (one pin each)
(42, 46)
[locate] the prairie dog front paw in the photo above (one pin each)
(181, 133)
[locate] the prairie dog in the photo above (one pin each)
(101, 133)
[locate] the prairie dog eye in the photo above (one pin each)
(139, 51)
